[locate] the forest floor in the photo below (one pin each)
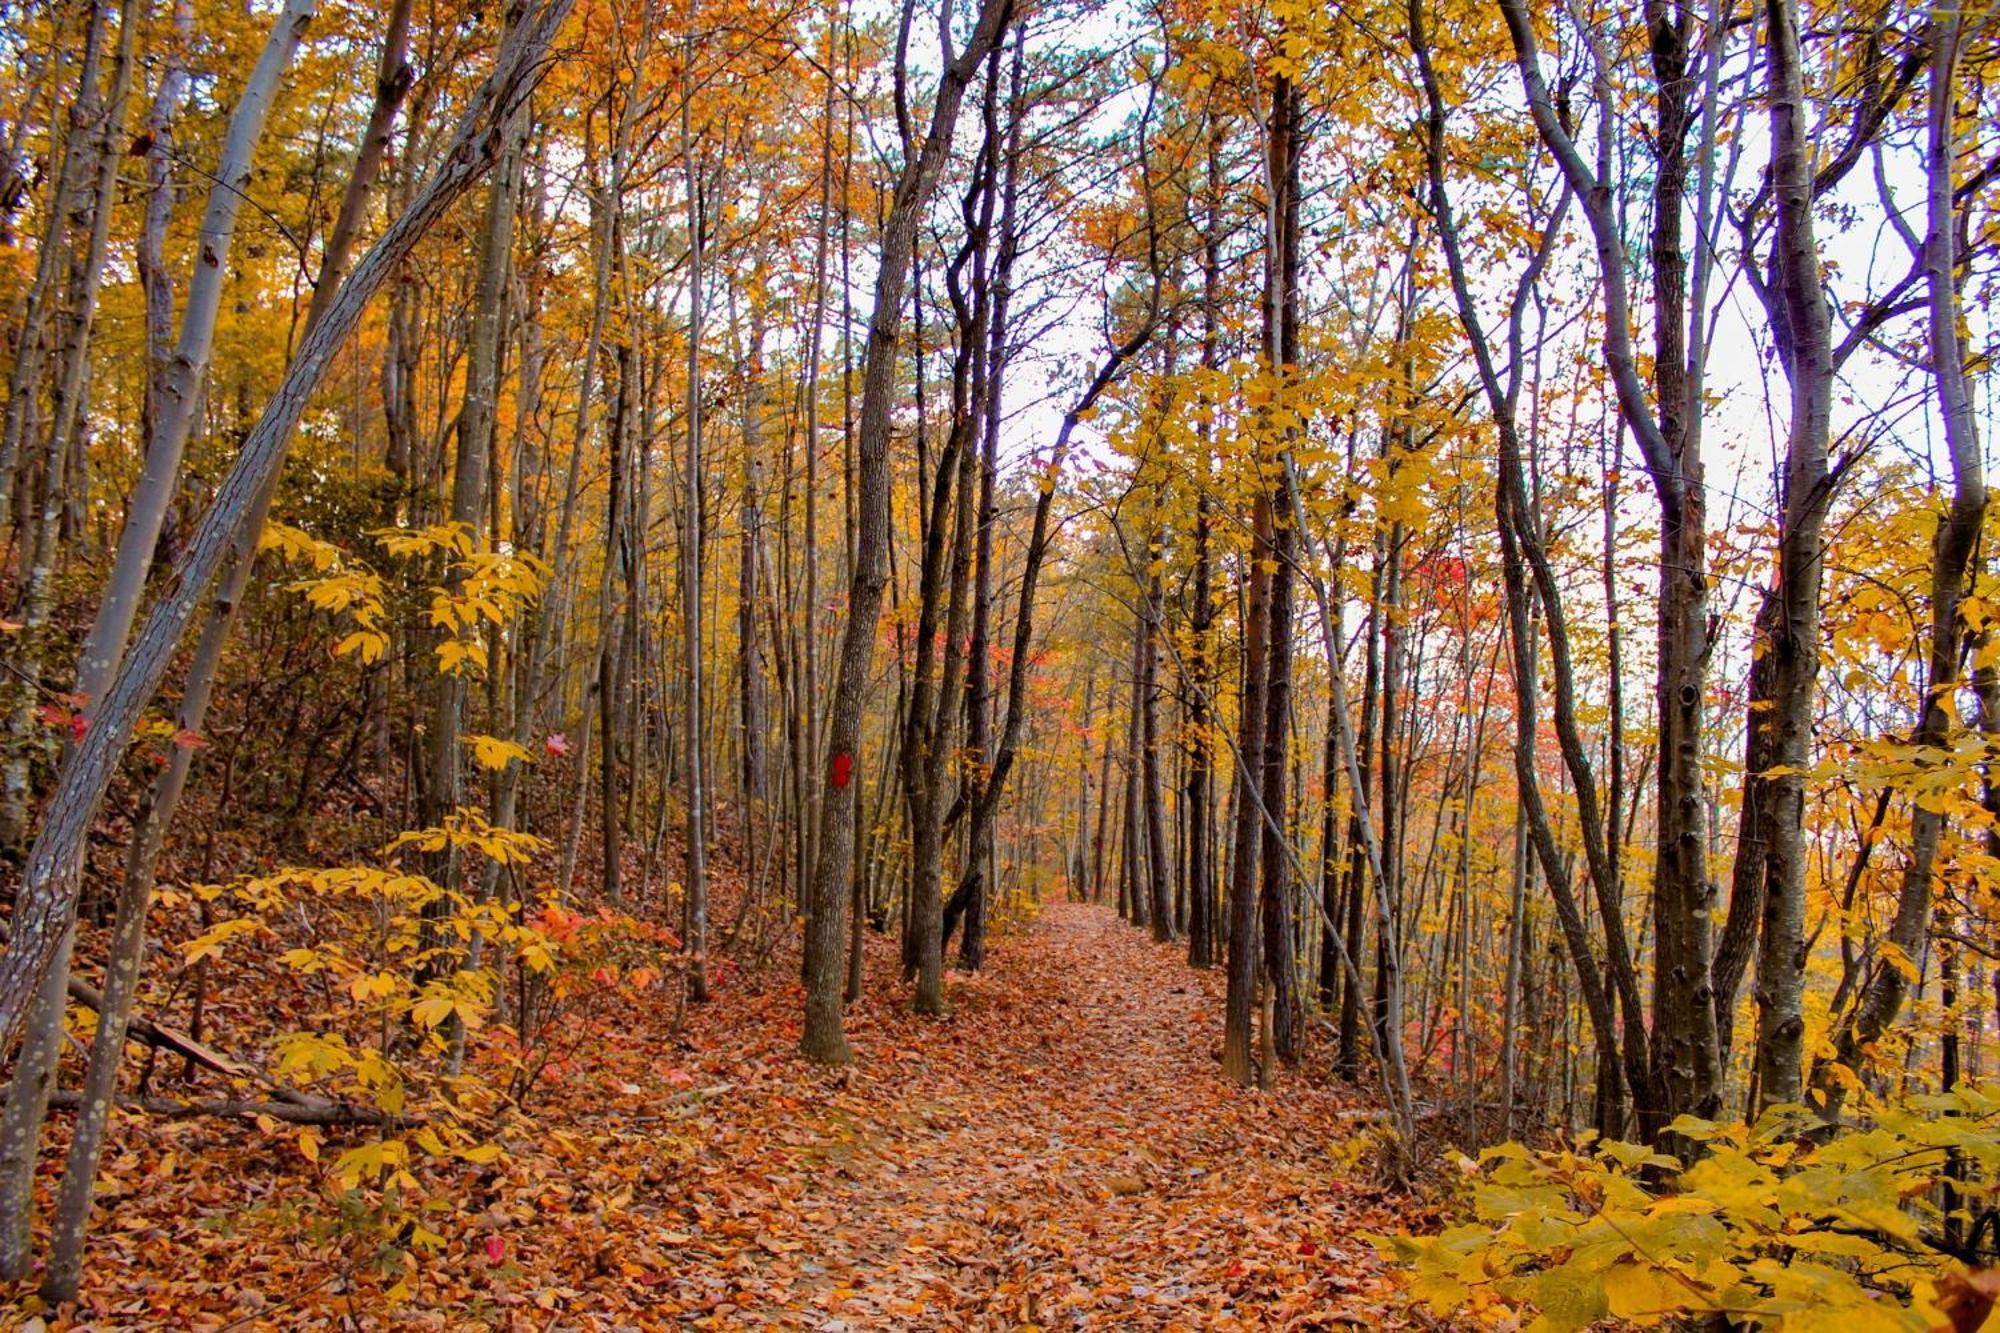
(1060, 1151)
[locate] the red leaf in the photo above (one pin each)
(1967, 1300)
(188, 740)
(496, 1249)
(556, 743)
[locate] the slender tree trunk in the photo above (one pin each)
(612, 638)
(1238, 1062)
(46, 902)
(89, 202)
(1806, 344)
(824, 1038)
(805, 763)
(146, 510)
(1160, 905)
(156, 283)
(691, 560)
(172, 420)
(1281, 356)
(605, 237)
(1078, 865)
(443, 789)
(1887, 987)
(983, 791)
(1685, 1069)
(73, 163)
(1199, 866)
(1103, 803)
(1523, 558)
(46, 995)
(936, 706)
(1356, 890)
(749, 651)
(1683, 1072)
(1134, 888)
(1736, 944)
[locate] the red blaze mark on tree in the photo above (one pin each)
(843, 768)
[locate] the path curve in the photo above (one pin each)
(1059, 1152)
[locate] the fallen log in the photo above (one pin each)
(308, 1111)
(165, 1038)
(180, 1043)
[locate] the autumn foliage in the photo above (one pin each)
(990, 664)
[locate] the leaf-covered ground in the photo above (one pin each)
(1059, 1152)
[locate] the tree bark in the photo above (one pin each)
(1959, 530)
(1160, 907)
(691, 559)
(1683, 1071)
(1238, 1061)
(49, 885)
(824, 1037)
(146, 510)
(89, 204)
(1281, 337)
(1805, 345)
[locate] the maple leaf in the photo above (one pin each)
(556, 744)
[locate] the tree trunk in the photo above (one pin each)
(749, 651)
(1683, 1071)
(824, 1038)
(45, 993)
(1199, 794)
(1238, 1062)
(146, 510)
(1160, 907)
(1135, 897)
(49, 885)
(443, 789)
(1958, 535)
(172, 423)
(982, 790)
(1805, 345)
(88, 202)
(697, 851)
(1281, 356)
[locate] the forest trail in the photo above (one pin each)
(1059, 1152)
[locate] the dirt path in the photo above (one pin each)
(1060, 1152)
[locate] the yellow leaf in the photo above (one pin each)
(366, 646)
(374, 987)
(431, 1011)
(1641, 1291)
(493, 753)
